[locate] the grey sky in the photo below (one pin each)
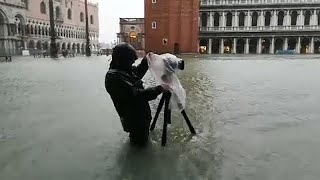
(111, 10)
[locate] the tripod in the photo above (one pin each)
(165, 99)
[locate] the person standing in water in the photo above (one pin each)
(131, 100)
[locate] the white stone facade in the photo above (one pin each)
(259, 26)
(25, 25)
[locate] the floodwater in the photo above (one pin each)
(257, 118)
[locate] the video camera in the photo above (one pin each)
(163, 68)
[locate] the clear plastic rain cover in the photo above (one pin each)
(163, 68)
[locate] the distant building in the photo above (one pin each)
(259, 26)
(13, 35)
(172, 26)
(132, 32)
(25, 24)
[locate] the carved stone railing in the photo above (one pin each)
(251, 2)
(259, 28)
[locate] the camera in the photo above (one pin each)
(170, 62)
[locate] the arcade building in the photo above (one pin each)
(259, 26)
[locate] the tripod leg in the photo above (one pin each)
(167, 115)
(191, 128)
(168, 97)
(153, 125)
(164, 132)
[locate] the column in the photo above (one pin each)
(222, 46)
(223, 20)
(274, 18)
(236, 17)
(285, 45)
(210, 20)
(259, 46)
(25, 45)
(234, 49)
(261, 18)
(246, 48)
(315, 18)
(312, 45)
(210, 46)
(249, 18)
(272, 46)
(233, 19)
(287, 18)
(298, 46)
(301, 19)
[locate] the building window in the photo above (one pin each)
(57, 12)
(81, 17)
(69, 14)
(43, 8)
(154, 1)
(154, 25)
(91, 19)
(164, 41)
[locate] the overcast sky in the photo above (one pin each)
(111, 10)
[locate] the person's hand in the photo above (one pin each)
(166, 87)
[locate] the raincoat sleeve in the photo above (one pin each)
(126, 90)
(142, 68)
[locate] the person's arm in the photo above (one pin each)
(142, 68)
(147, 94)
(126, 90)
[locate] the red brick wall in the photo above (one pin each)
(177, 21)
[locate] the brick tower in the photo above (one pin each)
(172, 26)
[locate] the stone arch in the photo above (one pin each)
(58, 12)
(317, 45)
(58, 45)
(280, 18)
(45, 45)
(240, 46)
(229, 19)
(278, 44)
(204, 19)
(255, 16)
(78, 48)
(216, 18)
(203, 45)
(69, 46)
(63, 46)
(91, 19)
(39, 45)
(253, 42)
(307, 17)
(242, 17)
(3, 16)
(81, 17)
(43, 8)
(228, 46)
(294, 17)
(267, 20)
(83, 48)
(292, 43)
(69, 14)
(74, 47)
(31, 44)
(265, 45)
(305, 45)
